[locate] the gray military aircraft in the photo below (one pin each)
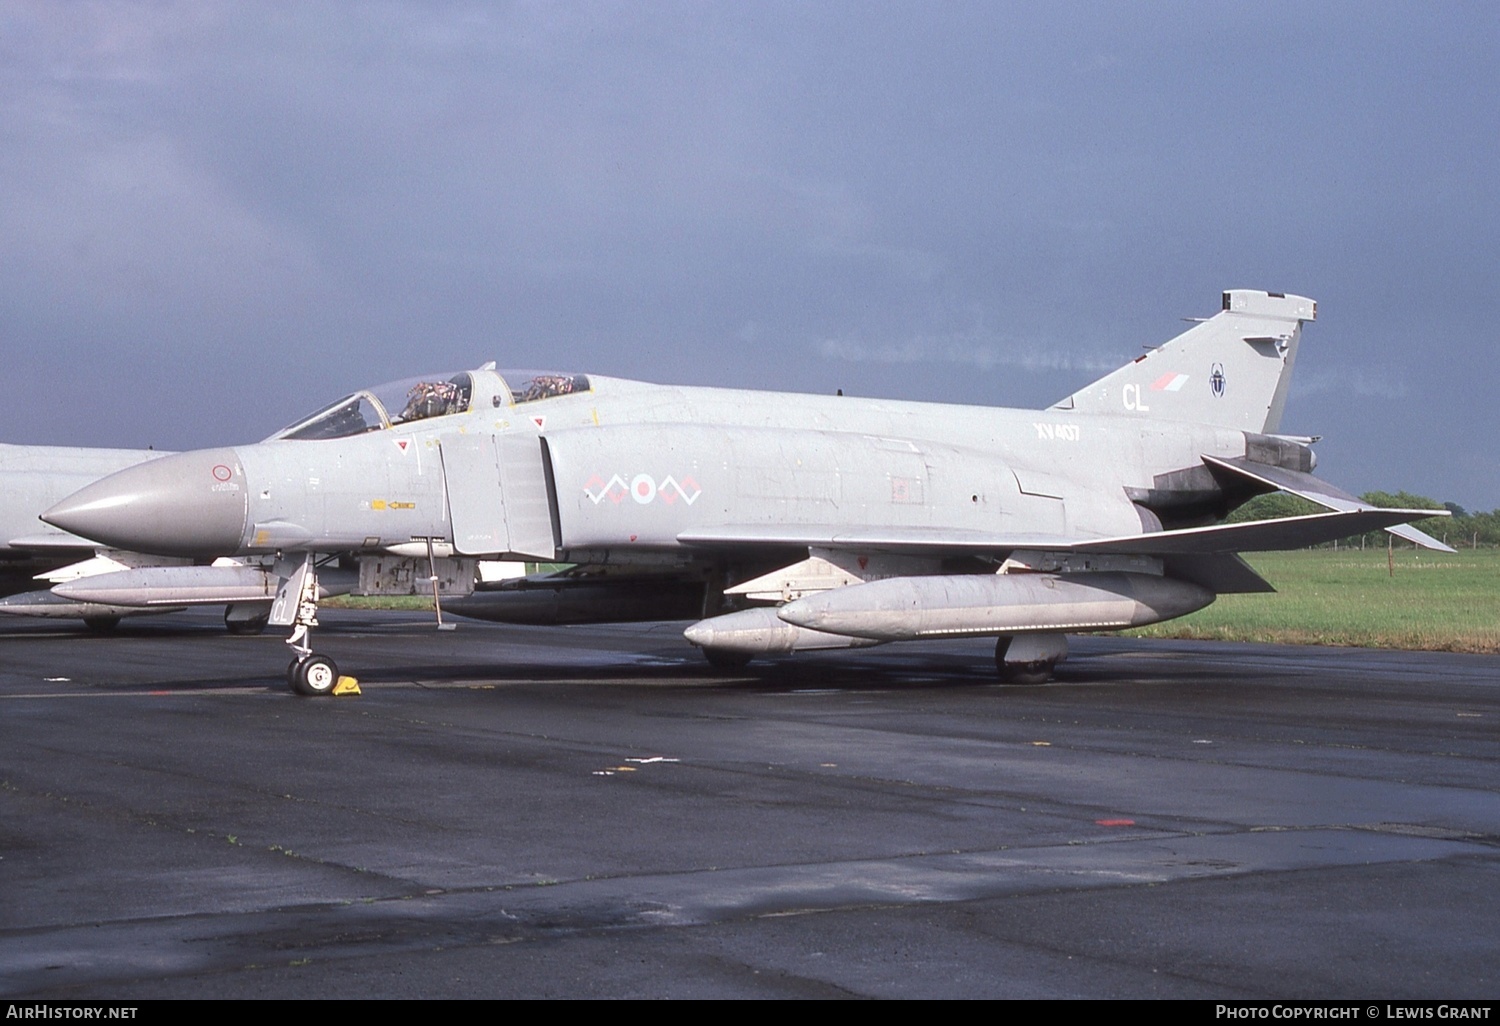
(783, 522)
(32, 478)
(97, 586)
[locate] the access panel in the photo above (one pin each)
(497, 495)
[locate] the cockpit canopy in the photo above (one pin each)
(425, 397)
(529, 386)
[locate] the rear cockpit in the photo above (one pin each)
(529, 386)
(430, 396)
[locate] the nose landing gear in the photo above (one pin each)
(309, 674)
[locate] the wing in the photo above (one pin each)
(1256, 536)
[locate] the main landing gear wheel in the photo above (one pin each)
(1037, 672)
(1026, 673)
(312, 675)
(726, 659)
(254, 625)
(101, 624)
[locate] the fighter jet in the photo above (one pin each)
(782, 522)
(32, 478)
(113, 584)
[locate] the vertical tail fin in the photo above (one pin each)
(1231, 370)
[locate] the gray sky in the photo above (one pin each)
(215, 217)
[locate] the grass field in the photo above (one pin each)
(379, 602)
(1447, 603)
(1433, 601)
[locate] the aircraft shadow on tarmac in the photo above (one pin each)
(601, 658)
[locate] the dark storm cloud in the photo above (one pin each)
(217, 216)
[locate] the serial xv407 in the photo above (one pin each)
(778, 522)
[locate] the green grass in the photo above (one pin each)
(415, 601)
(1433, 601)
(379, 602)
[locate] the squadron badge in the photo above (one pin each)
(1216, 380)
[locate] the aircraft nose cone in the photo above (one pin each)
(700, 634)
(191, 504)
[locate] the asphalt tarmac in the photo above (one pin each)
(589, 812)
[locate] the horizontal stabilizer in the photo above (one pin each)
(1311, 488)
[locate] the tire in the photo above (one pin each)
(101, 624)
(313, 676)
(254, 625)
(725, 659)
(1025, 674)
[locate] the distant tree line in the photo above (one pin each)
(1462, 530)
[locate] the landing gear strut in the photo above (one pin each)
(309, 674)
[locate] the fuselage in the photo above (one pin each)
(626, 468)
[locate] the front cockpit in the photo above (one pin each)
(430, 396)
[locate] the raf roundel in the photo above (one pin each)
(222, 473)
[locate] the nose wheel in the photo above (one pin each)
(312, 675)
